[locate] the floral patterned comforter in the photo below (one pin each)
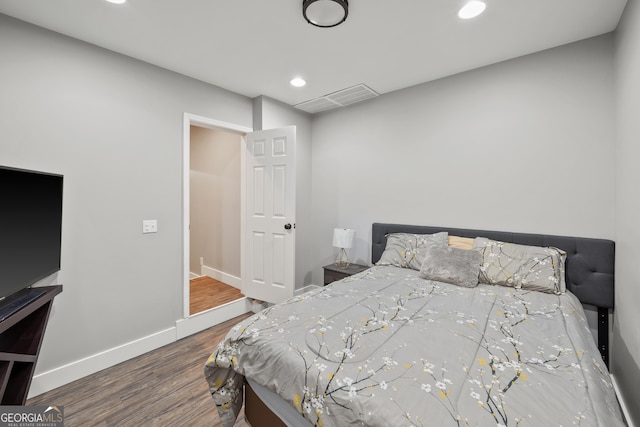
(387, 348)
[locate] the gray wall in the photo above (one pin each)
(626, 343)
(269, 114)
(113, 126)
(215, 200)
(542, 143)
(524, 145)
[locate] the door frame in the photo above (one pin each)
(205, 122)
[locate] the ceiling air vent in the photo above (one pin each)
(340, 98)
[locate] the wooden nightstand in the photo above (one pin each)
(333, 273)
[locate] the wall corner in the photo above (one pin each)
(257, 112)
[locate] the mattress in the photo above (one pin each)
(385, 347)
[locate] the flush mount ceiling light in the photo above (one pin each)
(325, 13)
(471, 9)
(117, 1)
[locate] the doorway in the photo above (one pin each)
(213, 201)
(215, 218)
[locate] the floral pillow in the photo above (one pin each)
(528, 267)
(408, 250)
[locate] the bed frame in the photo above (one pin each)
(589, 275)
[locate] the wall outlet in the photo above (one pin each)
(201, 260)
(149, 226)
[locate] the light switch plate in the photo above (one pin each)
(149, 226)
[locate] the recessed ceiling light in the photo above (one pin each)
(471, 9)
(117, 1)
(297, 82)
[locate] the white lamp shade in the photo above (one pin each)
(343, 237)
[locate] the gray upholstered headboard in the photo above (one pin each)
(589, 266)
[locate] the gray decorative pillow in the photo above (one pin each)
(452, 265)
(528, 267)
(407, 250)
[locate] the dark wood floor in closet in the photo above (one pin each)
(165, 387)
(208, 293)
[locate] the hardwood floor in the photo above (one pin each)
(206, 293)
(165, 387)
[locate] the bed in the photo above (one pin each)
(398, 345)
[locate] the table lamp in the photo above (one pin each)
(343, 239)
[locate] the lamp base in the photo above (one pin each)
(342, 261)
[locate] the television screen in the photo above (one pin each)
(30, 227)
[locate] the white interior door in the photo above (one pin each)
(269, 250)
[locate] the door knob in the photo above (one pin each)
(287, 226)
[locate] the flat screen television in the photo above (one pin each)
(30, 227)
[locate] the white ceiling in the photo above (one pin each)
(254, 47)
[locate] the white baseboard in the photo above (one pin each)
(201, 321)
(65, 374)
(230, 280)
(623, 405)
